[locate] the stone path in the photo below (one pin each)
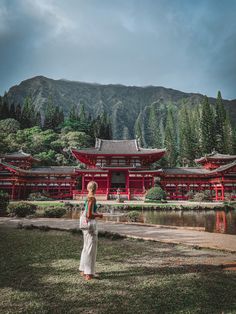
(156, 233)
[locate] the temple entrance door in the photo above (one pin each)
(118, 180)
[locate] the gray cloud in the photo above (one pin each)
(180, 44)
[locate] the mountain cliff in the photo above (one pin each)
(124, 104)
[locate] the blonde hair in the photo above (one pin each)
(92, 187)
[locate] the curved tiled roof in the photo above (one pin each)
(186, 170)
(18, 155)
(119, 147)
(41, 170)
(216, 156)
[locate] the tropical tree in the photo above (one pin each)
(171, 138)
(207, 127)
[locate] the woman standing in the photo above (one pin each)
(89, 252)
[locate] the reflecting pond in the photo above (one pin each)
(206, 220)
(209, 220)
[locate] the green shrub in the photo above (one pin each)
(133, 216)
(21, 209)
(156, 193)
(55, 212)
(4, 201)
(228, 196)
(190, 195)
(200, 197)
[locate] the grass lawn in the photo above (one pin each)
(39, 274)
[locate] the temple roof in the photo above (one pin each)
(224, 167)
(53, 169)
(186, 171)
(41, 170)
(19, 154)
(215, 156)
(119, 147)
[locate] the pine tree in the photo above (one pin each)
(138, 128)
(229, 139)
(12, 111)
(220, 117)
(18, 112)
(73, 114)
(207, 127)
(49, 121)
(82, 114)
(171, 138)
(28, 114)
(154, 127)
(4, 109)
(186, 139)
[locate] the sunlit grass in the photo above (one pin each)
(40, 274)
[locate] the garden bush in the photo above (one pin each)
(190, 195)
(200, 197)
(21, 209)
(4, 201)
(156, 193)
(228, 196)
(55, 212)
(133, 216)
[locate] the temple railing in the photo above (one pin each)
(129, 192)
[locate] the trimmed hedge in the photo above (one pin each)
(55, 212)
(21, 209)
(156, 193)
(134, 216)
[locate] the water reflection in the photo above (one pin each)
(211, 221)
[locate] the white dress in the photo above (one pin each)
(89, 252)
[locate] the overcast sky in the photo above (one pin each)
(189, 45)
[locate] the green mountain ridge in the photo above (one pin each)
(125, 105)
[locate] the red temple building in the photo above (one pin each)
(118, 166)
(18, 178)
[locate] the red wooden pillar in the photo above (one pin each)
(48, 180)
(108, 185)
(143, 183)
(176, 191)
(127, 182)
(127, 186)
(59, 188)
(216, 190)
(222, 192)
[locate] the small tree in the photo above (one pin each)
(156, 193)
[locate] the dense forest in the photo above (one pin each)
(186, 132)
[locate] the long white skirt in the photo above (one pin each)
(89, 252)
